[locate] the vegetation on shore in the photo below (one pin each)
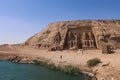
(93, 62)
(67, 69)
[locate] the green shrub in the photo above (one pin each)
(40, 63)
(51, 66)
(93, 62)
(70, 69)
(45, 64)
(36, 62)
(58, 68)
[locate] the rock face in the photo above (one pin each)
(80, 34)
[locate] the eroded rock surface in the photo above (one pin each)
(90, 34)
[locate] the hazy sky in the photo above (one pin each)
(20, 19)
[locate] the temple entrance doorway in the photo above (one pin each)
(80, 45)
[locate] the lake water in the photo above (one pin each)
(14, 71)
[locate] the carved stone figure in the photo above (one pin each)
(80, 38)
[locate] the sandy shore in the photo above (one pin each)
(109, 69)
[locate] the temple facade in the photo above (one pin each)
(80, 38)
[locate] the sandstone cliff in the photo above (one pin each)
(54, 35)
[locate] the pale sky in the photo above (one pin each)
(20, 19)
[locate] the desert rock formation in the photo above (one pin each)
(79, 34)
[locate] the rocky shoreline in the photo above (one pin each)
(17, 58)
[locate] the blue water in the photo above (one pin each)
(14, 71)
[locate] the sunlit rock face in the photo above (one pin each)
(80, 34)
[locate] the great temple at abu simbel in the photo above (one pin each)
(80, 34)
(80, 38)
